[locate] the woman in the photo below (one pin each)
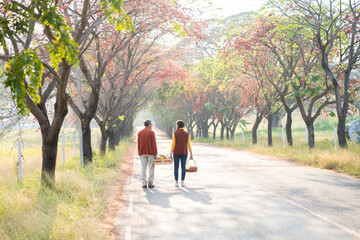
(179, 147)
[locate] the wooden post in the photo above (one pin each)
(19, 164)
(335, 138)
(98, 140)
(63, 149)
(94, 141)
(283, 136)
(74, 144)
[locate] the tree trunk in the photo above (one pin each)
(222, 131)
(341, 109)
(233, 134)
(205, 129)
(311, 134)
(128, 125)
(341, 132)
(191, 131)
(87, 150)
(50, 132)
(288, 128)
(255, 127)
(49, 153)
(118, 132)
(270, 119)
(227, 133)
(103, 141)
(112, 140)
(214, 132)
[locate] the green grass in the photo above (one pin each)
(73, 209)
(324, 155)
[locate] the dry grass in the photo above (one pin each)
(31, 151)
(73, 209)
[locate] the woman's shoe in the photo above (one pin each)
(182, 184)
(176, 184)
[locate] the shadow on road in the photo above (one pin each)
(197, 195)
(160, 198)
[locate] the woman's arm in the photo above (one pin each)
(172, 145)
(190, 149)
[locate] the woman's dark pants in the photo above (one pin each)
(177, 159)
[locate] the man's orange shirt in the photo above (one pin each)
(147, 142)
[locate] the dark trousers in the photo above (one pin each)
(177, 159)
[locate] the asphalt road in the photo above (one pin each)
(240, 195)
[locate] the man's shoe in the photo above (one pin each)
(144, 186)
(182, 184)
(150, 185)
(176, 184)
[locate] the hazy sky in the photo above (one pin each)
(231, 7)
(228, 7)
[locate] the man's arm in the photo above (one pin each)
(153, 142)
(139, 143)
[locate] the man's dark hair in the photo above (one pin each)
(147, 122)
(180, 124)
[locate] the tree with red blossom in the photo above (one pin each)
(335, 26)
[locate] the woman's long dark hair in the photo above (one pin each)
(180, 124)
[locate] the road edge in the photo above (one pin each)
(275, 158)
(115, 199)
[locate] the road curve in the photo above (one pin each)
(240, 195)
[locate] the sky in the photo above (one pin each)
(231, 7)
(228, 7)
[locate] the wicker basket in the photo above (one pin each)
(166, 161)
(191, 165)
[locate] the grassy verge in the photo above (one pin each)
(324, 155)
(73, 209)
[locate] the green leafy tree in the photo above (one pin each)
(40, 48)
(335, 26)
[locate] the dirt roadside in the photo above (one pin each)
(116, 200)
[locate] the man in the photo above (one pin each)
(147, 151)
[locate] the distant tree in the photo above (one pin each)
(335, 26)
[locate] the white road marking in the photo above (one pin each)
(128, 233)
(131, 203)
(342, 227)
(132, 181)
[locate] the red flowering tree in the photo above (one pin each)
(335, 26)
